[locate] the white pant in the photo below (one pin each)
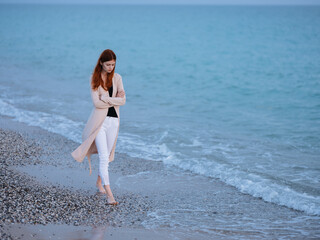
(104, 142)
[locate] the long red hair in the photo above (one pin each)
(96, 81)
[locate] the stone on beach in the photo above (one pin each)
(26, 200)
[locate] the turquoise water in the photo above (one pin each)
(227, 92)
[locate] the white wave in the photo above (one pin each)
(135, 146)
(253, 184)
(195, 143)
(50, 122)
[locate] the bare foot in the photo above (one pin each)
(100, 188)
(99, 185)
(111, 201)
(110, 198)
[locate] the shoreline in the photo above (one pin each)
(148, 192)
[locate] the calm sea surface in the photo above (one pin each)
(227, 92)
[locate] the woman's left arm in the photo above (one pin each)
(116, 101)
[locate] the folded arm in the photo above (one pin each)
(114, 101)
(120, 98)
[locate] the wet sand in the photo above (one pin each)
(53, 197)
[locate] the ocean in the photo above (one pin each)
(227, 92)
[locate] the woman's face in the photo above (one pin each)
(108, 66)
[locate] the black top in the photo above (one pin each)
(111, 112)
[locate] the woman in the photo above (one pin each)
(101, 131)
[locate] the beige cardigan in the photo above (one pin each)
(102, 102)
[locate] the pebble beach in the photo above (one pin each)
(28, 201)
